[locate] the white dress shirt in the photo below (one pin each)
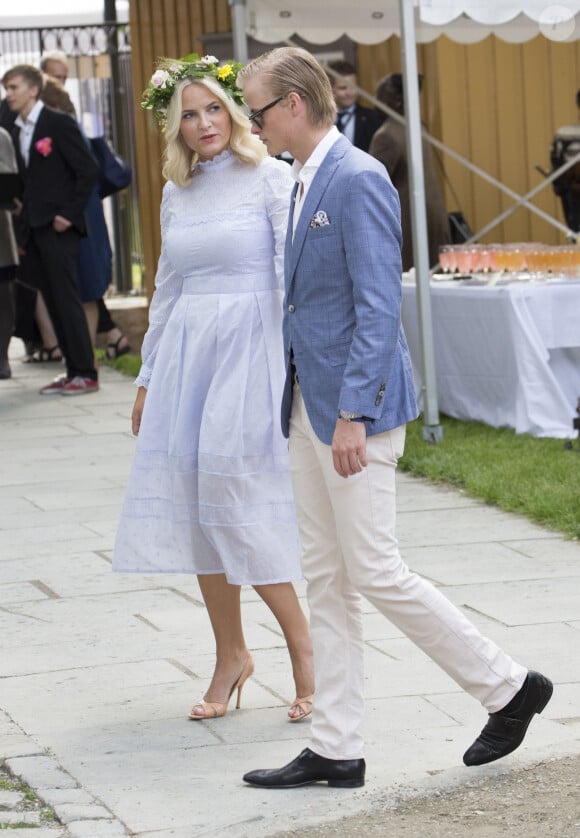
(348, 119)
(27, 127)
(306, 173)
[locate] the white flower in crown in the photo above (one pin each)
(208, 59)
(320, 219)
(159, 78)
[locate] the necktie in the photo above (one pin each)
(341, 120)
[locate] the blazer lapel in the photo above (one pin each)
(313, 198)
(37, 134)
(288, 243)
(19, 157)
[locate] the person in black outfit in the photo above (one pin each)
(8, 260)
(358, 124)
(566, 144)
(55, 64)
(58, 173)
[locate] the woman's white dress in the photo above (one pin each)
(209, 490)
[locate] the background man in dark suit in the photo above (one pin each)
(58, 173)
(358, 124)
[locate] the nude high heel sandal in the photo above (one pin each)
(305, 707)
(213, 709)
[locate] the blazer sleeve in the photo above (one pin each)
(372, 238)
(83, 165)
(384, 149)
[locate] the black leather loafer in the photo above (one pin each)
(308, 768)
(505, 730)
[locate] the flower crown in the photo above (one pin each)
(157, 95)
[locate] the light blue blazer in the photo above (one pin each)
(342, 304)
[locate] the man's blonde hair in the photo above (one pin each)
(179, 160)
(292, 69)
(54, 55)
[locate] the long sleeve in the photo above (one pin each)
(81, 162)
(278, 187)
(385, 147)
(168, 286)
(7, 154)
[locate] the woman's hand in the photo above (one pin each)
(138, 410)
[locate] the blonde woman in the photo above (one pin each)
(209, 492)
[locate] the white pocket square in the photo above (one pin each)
(320, 219)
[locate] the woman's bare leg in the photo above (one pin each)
(222, 601)
(282, 601)
(92, 315)
(44, 323)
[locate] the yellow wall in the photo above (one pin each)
(162, 28)
(494, 103)
(498, 105)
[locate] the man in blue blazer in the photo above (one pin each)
(349, 393)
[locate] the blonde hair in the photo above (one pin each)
(180, 161)
(54, 55)
(292, 69)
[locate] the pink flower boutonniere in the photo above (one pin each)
(44, 146)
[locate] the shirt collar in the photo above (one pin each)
(308, 170)
(32, 117)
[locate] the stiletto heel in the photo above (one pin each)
(214, 709)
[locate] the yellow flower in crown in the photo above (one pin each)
(224, 72)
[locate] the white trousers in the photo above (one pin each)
(347, 530)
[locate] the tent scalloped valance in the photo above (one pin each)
(373, 21)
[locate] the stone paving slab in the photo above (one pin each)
(98, 671)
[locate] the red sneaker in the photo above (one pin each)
(56, 385)
(78, 386)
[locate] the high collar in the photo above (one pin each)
(220, 161)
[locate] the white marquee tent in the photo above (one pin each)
(373, 21)
(415, 21)
(37, 13)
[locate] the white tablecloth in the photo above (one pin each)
(507, 355)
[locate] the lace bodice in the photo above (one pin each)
(223, 233)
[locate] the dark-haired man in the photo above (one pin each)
(358, 124)
(58, 173)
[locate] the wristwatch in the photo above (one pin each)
(350, 417)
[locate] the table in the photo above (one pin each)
(507, 354)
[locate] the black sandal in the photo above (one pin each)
(46, 355)
(115, 351)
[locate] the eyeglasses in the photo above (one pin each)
(256, 116)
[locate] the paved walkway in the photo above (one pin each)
(98, 671)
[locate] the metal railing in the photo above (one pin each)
(99, 84)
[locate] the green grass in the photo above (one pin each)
(534, 477)
(127, 364)
(31, 803)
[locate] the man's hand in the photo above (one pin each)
(60, 224)
(349, 446)
(138, 410)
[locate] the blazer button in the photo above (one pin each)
(291, 309)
